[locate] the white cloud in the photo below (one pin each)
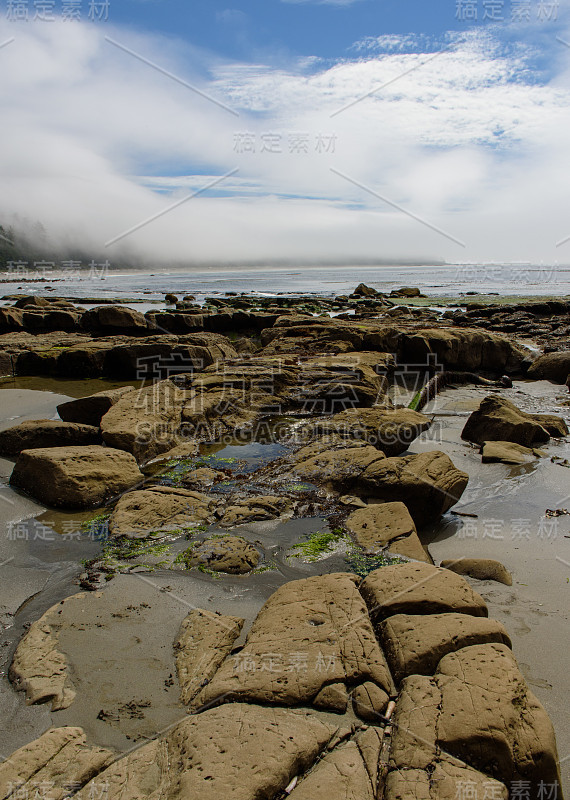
(93, 141)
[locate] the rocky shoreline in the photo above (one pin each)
(384, 678)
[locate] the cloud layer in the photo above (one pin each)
(470, 138)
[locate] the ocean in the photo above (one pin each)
(443, 281)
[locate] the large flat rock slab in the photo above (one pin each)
(310, 634)
(444, 779)
(46, 433)
(429, 484)
(145, 422)
(237, 752)
(58, 762)
(159, 509)
(414, 644)
(341, 774)
(387, 526)
(75, 477)
(477, 708)
(419, 589)
(391, 430)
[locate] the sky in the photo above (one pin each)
(176, 132)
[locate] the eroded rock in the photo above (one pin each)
(390, 430)
(419, 589)
(39, 668)
(429, 484)
(75, 477)
(369, 701)
(159, 509)
(508, 453)
(341, 773)
(204, 640)
(56, 762)
(483, 569)
(145, 422)
(497, 419)
(442, 780)
(231, 554)
(310, 633)
(476, 708)
(37, 433)
(90, 410)
(553, 367)
(414, 644)
(254, 509)
(237, 752)
(386, 525)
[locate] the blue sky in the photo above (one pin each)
(286, 29)
(372, 128)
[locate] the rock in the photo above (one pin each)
(362, 364)
(497, 419)
(11, 319)
(507, 453)
(406, 291)
(553, 367)
(442, 779)
(171, 299)
(369, 743)
(390, 430)
(334, 464)
(231, 554)
(40, 433)
(59, 759)
(483, 569)
(333, 697)
(145, 422)
(159, 509)
(162, 357)
(369, 701)
(33, 300)
(476, 708)
(465, 350)
(352, 500)
(187, 450)
(254, 509)
(341, 773)
(414, 644)
(39, 668)
(330, 384)
(114, 319)
(237, 752)
(429, 484)
(204, 476)
(362, 290)
(6, 366)
(204, 640)
(310, 633)
(419, 589)
(75, 477)
(386, 525)
(223, 400)
(90, 410)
